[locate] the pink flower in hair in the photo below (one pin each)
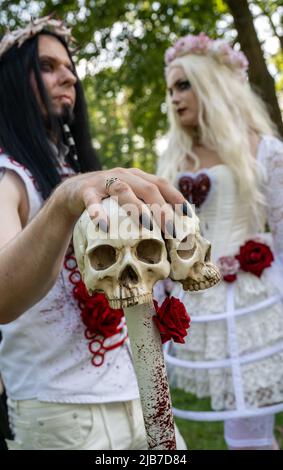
(202, 42)
(169, 55)
(218, 49)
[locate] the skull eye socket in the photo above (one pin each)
(208, 254)
(187, 247)
(149, 251)
(102, 257)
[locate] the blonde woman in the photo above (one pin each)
(224, 156)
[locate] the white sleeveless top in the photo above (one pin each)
(44, 354)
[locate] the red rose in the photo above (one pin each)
(172, 320)
(99, 317)
(80, 293)
(254, 257)
(230, 277)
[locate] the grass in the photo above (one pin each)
(207, 435)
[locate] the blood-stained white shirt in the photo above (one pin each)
(44, 354)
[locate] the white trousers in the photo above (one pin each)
(255, 432)
(59, 426)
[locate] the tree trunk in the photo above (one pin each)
(250, 45)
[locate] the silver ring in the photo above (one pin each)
(110, 181)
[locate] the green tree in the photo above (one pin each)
(258, 71)
(121, 46)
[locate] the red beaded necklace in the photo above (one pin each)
(105, 327)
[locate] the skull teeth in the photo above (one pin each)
(130, 301)
(214, 278)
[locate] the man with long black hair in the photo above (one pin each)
(57, 398)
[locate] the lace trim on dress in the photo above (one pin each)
(272, 160)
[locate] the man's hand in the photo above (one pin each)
(133, 186)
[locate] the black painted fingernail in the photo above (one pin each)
(170, 228)
(146, 221)
(187, 210)
(103, 225)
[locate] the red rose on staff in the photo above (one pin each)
(97, 315)
(254, 257)
(172, 320)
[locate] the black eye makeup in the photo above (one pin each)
(180, 85)
(46, 65)
(183, 85)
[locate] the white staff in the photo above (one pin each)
(151, 375)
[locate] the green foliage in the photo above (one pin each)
(125, 101)
(124, 42)
(146, 30)
(268, 6)
(115, 137)
(277, 60)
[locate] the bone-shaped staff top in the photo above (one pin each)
(129, 259)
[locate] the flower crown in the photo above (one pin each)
(203, 45)
(20, 35)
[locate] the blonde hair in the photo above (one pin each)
(229, 111)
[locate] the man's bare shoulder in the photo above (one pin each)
(14, 205)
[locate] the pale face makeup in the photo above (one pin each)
(183, 98)
(57, 75)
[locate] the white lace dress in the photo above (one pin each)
(234, 351)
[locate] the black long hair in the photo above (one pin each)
(23, 131)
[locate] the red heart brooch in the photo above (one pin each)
(195, 189)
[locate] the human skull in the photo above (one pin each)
(190, 255)
(124, 263)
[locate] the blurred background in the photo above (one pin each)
(120, 53)
(119, 58)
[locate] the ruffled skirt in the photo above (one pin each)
(234, 351)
